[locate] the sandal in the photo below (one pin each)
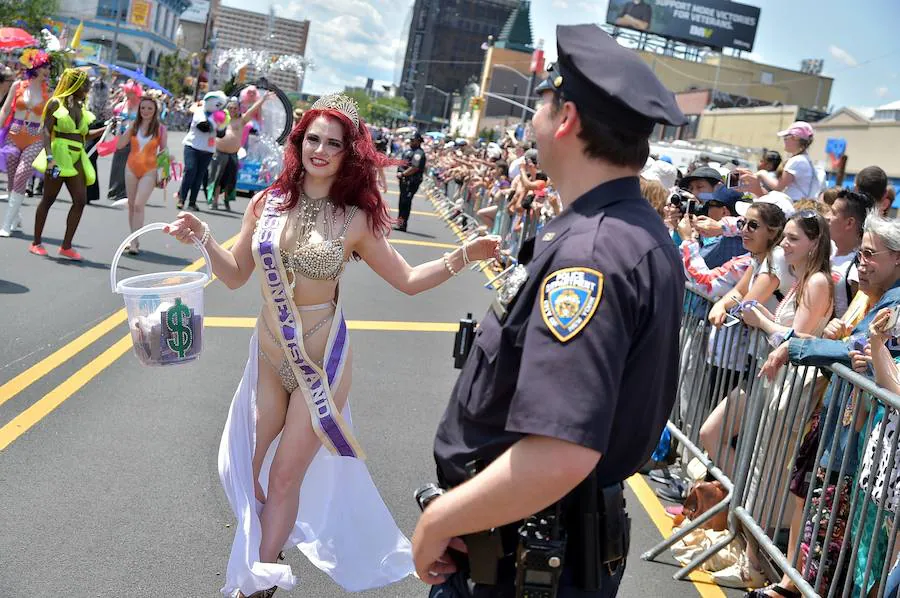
(779, 591)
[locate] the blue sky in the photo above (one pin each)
(354, 39)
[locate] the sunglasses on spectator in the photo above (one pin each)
(812, 217)
(750, 225)
(868, 254)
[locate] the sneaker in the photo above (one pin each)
(193, 207)
(69, 253)
(664, 475)
(37, 250)
(674, 491)
(4, 233)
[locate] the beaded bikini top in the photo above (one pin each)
(317, 261)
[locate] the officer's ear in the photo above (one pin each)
(568, 119)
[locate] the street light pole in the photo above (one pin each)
(446, 101)
(114, 53)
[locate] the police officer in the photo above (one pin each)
(410, 176)
(573, 374)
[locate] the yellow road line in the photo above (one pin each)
(28, 418)
(422, 243)
(418, 213)
(22, 381)
(702, 582)
(243, 322)
(36, 412)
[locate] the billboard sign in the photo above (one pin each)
(140, 13)
(716, 23)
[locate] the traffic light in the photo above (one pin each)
(477, 103)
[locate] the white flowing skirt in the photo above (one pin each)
(343, 526)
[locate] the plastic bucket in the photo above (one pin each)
(165, 310)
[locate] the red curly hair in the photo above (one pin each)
(356, 183)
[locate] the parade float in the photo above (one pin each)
(263, 136)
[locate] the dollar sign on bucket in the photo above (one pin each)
(178, 320)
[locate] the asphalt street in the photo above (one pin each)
(108, 468)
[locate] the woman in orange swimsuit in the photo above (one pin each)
(147, 137)
(21, 113)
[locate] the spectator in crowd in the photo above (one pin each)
(656, 194)
(799, 179)
(877, 461)
(719, 203)
(769, 163)
(829, 195)
(879, 281)
(873, 180)
(845, 221)
(761, 230)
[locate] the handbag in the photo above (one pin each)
(702, 497)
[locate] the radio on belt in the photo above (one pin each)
(541, 555)
(462, 342)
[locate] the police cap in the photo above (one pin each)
(594, 70)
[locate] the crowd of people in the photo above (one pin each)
(809, 267)
(52, 134)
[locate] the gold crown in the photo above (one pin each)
(341, 103)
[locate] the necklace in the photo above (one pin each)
(307, 216)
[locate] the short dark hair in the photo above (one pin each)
(618, 146)
(872, 180)
(772, 158)
(857, 206)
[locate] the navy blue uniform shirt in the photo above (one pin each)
(588, 349)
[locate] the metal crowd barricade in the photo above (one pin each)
(714, 364)
(846, 533)
(457, 204)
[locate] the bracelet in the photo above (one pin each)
(465, 255)
(447, 265)
(204, 239)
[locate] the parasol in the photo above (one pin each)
(138, 77)
(13, 37)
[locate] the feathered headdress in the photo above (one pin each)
(133, 88)
(33, 58)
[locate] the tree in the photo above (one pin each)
(380, 110)
(27, 14)
(172, 73)
(385, 110)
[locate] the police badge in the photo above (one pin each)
(569, 298)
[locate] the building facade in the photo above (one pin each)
(143, 30)
(444, 51)
(236, 28)
(871, 140)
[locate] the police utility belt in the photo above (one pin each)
(586, 533)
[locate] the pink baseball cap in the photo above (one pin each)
(798, 129)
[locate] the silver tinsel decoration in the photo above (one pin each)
(263, 61)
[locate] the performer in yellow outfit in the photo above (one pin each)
(63, 158)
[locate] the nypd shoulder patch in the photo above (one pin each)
(569, 298)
